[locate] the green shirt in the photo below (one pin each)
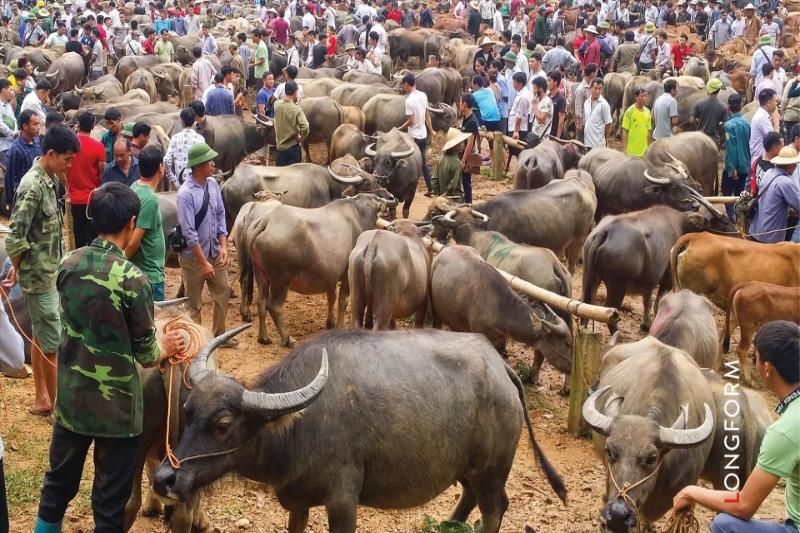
(780, 456)
(107, 318)
(150, 256)
(164, 50)
(447, 176)
(108, 139)
(289, 121)
(35, 234)
(261, 53)
(638, 123)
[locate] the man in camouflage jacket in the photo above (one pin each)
(107, 314)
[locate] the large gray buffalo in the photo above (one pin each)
(373, 404)
(357, 94)
(686, 320)
(397, 165)
(144, 80)
(696, 150)
(320, 87)
(65, 73)
(386, 111)
(389, 271)
(234, 139)
(630, 253)
(349, 139)
(324, 116)
(129, 64)
(305, 250)
(460, 278)
(545, 162)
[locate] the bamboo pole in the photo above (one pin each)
(511, 141)
(585, 366)
(607, 315)
(722, 199)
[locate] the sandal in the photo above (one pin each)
(43, 414)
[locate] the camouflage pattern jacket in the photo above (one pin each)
(107, 317)
(36, 224)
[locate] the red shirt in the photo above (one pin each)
(83, 175)
(592, 55)
(576, 45)
(147, 46)
(395, 15)
(280, 30)
(332, 45)
(680, 53)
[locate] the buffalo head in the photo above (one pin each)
(454, 218)
(223, 420)
(673, 182)
(443, 116)
(164, 84)
(635, 447)
(358, 181)
(389, 154)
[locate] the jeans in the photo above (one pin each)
(732, 186)
(422, 144)
(290, 156)
(725, 523)
(114, 465)
(158, 291)
(82, 228)
(466, 181)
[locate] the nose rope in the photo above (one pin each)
(627, 487)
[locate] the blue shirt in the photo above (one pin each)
(219, 102)
(776, 194)
(212, 227)
(737, 146)
(19, 161)
(162, 24)
(487, 104)
(263, 98)
(114, 173)
(502, 105)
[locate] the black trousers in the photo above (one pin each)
(732, 186)
(422, 144)
(290, 156)
(114, 465)
(82, 228)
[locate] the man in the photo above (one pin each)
(519, 112)
(779, 74)
(203, 72)
(518, 26)
(762, 122)
(663, 54)
(139, 134)
(35, 246)
(681, 51)
(146, 248)
(316, 49)
(191, 23)
(790, 105)
(261, 59)
(418, 122)
(280, 28)
(291, 127)
(34, 33)
(592, 54)
(36, 100)
(541, 30)
(164, 48)
(637, 125)
(237, 64)
(624, 58)
(665, 111)
(292, 54)
(23, 151)
(739, 25)
(470, 125)
(309, 22)
(244, 52)
(264, 103)
(541, 110)
(97, 58)
(113, 120)
(373, 61)
(737, 152)
(474, 21)
(710, 113)
(220, 100)
(777, 193)
(178, 151)
(721, 31)
(210, 46)
(205, 259)
(558, 58)
(125, 168)
(486, 9)
(773, 144)
(597, 115)
(771, 28)
(535, 64)
(107, 309)
(57, 39)
(280, 90)
(8, 124)
(559, 104)
(777, 361)
(648, 49)
(83, 177)
(761, 56)
(148, 46)
(582, 94)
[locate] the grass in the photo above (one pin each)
(430, 525)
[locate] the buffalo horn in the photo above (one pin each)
(484, 218)
(169, 303)
(370, 150)
(347, 180)
(702, 200)
(51, 75)
(674, 158)
(598, 421)
(436, 110)
(404, 153)
(658, 181)
(448, 217)
(686, 438)
(283, 403)
(199, 367)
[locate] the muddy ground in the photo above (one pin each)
(236, 504)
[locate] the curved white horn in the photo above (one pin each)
(591, 414)
(658, 181)
(686, 438)
(347, 180)
(370, 150)
(403, 153)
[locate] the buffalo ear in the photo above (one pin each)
(697, 220)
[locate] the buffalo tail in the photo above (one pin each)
(589, 261)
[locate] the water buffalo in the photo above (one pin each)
(129, 64)
(353, 115)
(459, 52)
(422, 386)
(386, 111)
(696, 66)
(388, 273)
(545, 162)
(613, 91)
(104, 89)
(234, 139)
(365, 78)
(65, 73)
(305, 250)
(695, 150)
(157, 84)
(460, 277)
(685, 320)
(440, 85)
(356, 94)
(397, 165)
(405, 43)
(319, 87)
(654, 416)
(129, 108)
(348, 139)
(557, 216)
(324, 116)
(630, 253)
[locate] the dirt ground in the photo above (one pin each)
(234, 501)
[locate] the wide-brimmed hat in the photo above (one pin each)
(649, 27)
(749, 6)
(510, 56)
(348, 19)
(349, 46)
(713, 85)
(127, 129)
(787, 156)
(486, 41)
(604, 26)
(765, 39)
(31, 16)
(591, 29)
(200, 153)
(473, 5)
(454, 138)
(43, 13)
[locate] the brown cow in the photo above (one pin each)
(752, 304)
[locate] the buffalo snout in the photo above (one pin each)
(618, 517)
(164, 482)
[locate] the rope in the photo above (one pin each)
(682, 521)
(756, 234)
(181, 358)
(627, 487)
(34, 344)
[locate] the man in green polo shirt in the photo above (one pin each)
(146, 248)
(778, 362)
(637, 125)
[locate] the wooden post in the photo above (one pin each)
(585, 366)
(68, 226)
(498, 157)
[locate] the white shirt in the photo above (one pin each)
(54, 40)
(309, 22)
(486, 7)
(651, 14)
(373, 60)
(520, 109)
(417, 106)
(293, 57)
(545, 106)
(9, 133)
(497, 22)
(33, 103)
(458, 11)
(383, 39)
(280, 92)
(178, 155)
(664, 55)
(596, 116)
(517, 27)
(115, 21)
(738, 28)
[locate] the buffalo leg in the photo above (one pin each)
(647, 307)
(182, 516)
(331, 294)
(573, 254)
(357, 307)
(368, 317)
(344, 294)
(492, 501)
(615, 294)
(383, 316)
(275, 303)
(342, 517)
(263, 297)
(298, 520)
(201, 523)
(419, 316)
(466, 503)
(538, 359)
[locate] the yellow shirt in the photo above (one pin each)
(638, 124)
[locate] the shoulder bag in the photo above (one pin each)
(176, 241)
